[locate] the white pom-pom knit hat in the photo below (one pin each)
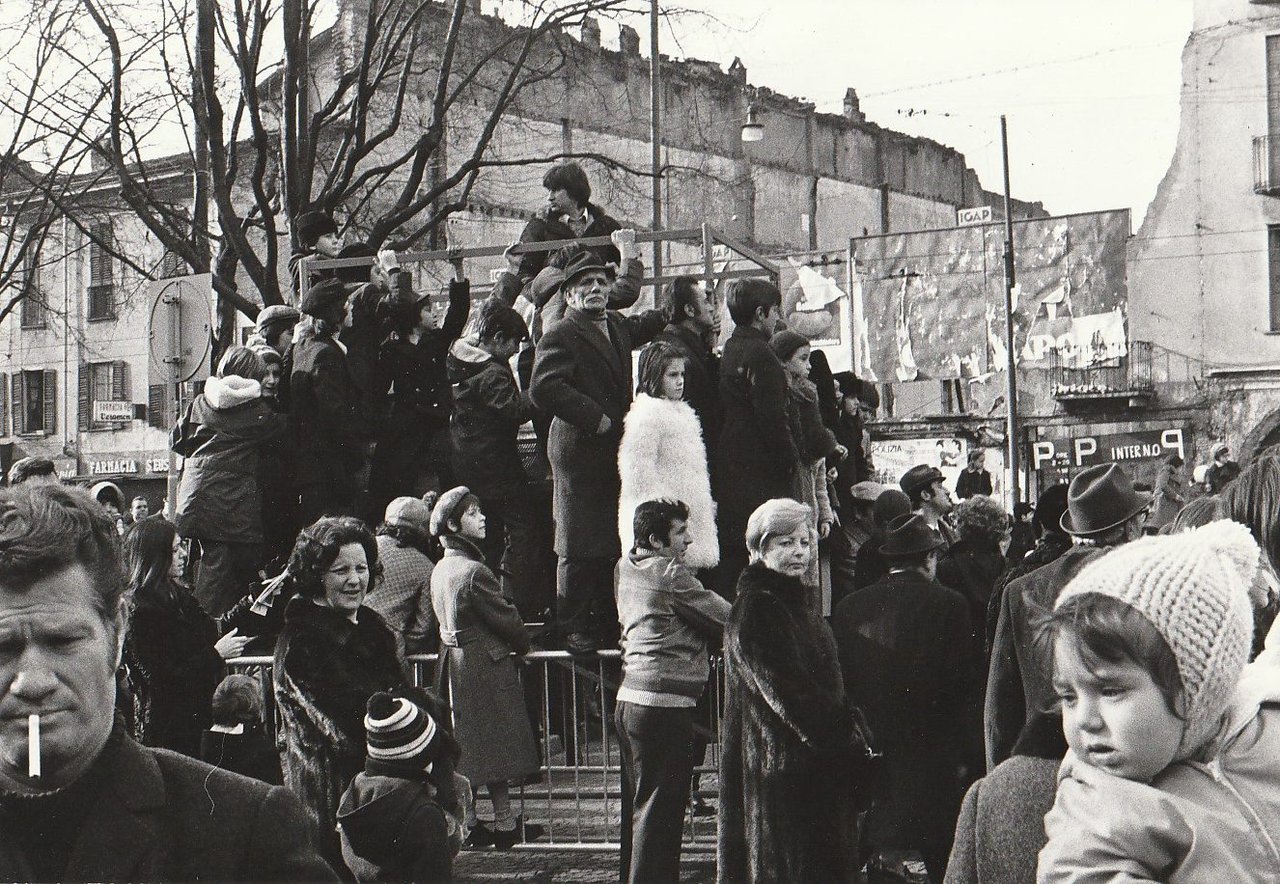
(1193, 588)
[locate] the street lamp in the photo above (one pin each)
(752, 130)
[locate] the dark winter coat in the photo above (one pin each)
(756, 457)
(250, 753)
(971, 568)
(173, 670)
(160, 816)
(417, 374)
(580, 376)
(701, 379)
(1020, 679)
(1046, 549)
(326, 668)
(550, 226)
(909, 664)
(789, 742)
(221, 438)
(970, 483)
(480, 634)
(325, 413)
(362, 338)
(488, 410)
(393, 829)
(1220, 475)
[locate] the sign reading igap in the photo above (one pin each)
(1087, 451)
(977, 215)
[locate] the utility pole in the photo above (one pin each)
(1011, 367)
(655, 132)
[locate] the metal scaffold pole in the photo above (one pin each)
(1011, 367)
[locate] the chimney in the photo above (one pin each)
(852, 108)
(591, 32)
(628, 40)
(738, 70)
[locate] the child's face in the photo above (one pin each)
(798, 364)
(673, 380)
(1114, 718)
(471, 525)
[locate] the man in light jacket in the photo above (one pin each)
(667, 618)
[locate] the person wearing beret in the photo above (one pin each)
(324, 410)
(582, 377)
(1103, 510)
(910, 664)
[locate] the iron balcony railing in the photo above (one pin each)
(1102, 376)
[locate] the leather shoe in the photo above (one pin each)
(580, 643)
(522, 833)
(481, 836)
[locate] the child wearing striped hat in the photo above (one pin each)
(400, 819)
(1171, 772)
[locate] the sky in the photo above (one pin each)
(1090, 87)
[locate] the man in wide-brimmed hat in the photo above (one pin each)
(1103, 510)
(582, 377)
(907, 652)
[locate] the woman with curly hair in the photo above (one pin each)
(973, 564)
(331, 656)
(172, 653)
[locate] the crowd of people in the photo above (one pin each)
(1049, 695)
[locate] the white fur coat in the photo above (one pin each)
(663, 455)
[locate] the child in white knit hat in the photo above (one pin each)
(1172, 773)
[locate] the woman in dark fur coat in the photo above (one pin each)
(790, 742)
(332, 655)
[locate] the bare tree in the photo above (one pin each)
(387, 119)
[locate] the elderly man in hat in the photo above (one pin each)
(907, 653)
(582, 377)
(324, 411)
(930, 498)
(1103, 511)
(403, 597)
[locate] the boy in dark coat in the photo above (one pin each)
(399, 819)
(235, 742)
(755, 458)
(318, 237)
(908, 661)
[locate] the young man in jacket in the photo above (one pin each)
(667, 619)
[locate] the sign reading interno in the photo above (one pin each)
(1087, 451)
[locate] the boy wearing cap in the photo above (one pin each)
(907, 653)
(318, 237)
(1103, 510)
(400, 819)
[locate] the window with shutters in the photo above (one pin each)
(102, 294)
(34, 308)
(34, 402)
(107, 382)
(158, 405)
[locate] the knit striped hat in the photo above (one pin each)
(1193, 588)
(400, 732)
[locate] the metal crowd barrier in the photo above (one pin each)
(577, 795)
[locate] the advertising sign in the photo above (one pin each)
(1088, 451)
(979, 215)
(112, 412)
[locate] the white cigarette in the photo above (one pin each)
(33, 746)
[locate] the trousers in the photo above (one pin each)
(657, 762)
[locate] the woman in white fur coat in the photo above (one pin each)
(663, 455)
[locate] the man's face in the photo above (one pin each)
(771, 319)
(561, 202)
(590, 293)
(702, 312)
(939, 498)
(677, 543)
(57, 660)
(140, 510)
(283, 341)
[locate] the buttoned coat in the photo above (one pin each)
(161, 816)
(324, 410)
(580, 376)
(480, 634)
(1019, 681)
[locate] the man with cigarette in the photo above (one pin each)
(79, 798)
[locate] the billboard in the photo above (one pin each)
(931, 302)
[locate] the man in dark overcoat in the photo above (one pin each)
(98, 806)
(325, 410)
(755, 456)
(1103, 511)
(692, 324)
(910, 665)
(582, 377)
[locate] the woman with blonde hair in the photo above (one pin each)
(791, 745)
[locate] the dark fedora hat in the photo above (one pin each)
(583, 262)
(1101, 498)
(920, 476)
(910, 535)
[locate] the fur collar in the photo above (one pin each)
(230, 391)
(662, 411)
(758, 578)
(303, 613)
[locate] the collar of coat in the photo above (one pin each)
(456, 545)
(756, 577)
(695, 342)
(749, 331)
(317, 618)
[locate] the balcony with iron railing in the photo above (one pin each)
(1077, 376)
(1266, 165)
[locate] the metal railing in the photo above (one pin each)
(577, 796)
(1105, 376)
